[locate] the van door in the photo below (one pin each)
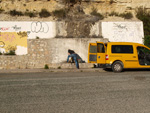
(92, 53)
(127, 54)
(101, 53)
(143, 56)
(130, 56)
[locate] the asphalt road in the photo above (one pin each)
(76, 92)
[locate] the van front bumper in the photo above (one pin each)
(107, 65)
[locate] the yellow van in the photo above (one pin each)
(119, 55)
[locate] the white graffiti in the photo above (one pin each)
(39, 27)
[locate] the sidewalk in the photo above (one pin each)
(50, 70)
(61, 67)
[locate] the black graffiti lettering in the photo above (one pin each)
(16, 28)
(120, 26)
(37, 27)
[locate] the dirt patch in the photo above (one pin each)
(79, 24)
(139, 78)
(78, 29)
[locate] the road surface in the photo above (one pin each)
(75, 92)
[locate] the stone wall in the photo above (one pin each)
(37, 57)
(47, 51)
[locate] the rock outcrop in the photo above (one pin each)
(104, 7)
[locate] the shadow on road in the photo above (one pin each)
(128, 70)
(136, 69)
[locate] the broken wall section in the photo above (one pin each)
(77, 29)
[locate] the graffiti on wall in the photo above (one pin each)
(15, 34)
(123, 32)
(34, 28)
(4, 28)
(16, 28)
(38, 27)
(10, 40)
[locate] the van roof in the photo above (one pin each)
(124, 43)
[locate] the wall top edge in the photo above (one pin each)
(73, 21)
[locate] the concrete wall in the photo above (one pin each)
(43, 29)
(123, 31)
(54, 40)
(59, 48)
(47, 51)
(16, 34)
(34, 29)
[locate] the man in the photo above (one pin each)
(73, 55)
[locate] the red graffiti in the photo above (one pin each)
(4, 28)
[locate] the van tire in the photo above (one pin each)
(117, 66)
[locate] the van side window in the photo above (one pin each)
(122, 49)
(100, 48)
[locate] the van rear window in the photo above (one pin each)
(93, 49)
(122, 49)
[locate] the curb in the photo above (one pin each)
(51, 70)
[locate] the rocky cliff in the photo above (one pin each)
(104, 7)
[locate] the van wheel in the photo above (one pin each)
(117, 66)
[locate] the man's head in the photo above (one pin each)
(70, 51)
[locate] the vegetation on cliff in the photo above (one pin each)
(144, 15)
